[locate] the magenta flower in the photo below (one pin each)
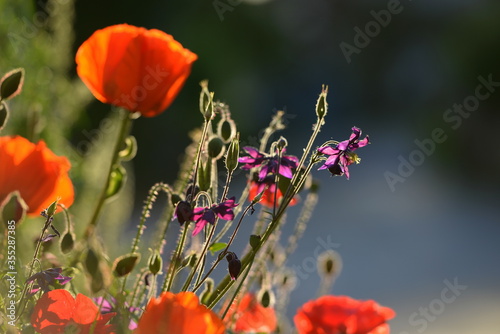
(269, 164)
(109, 306)
(46, 278)
(342, 154)
(205, 215)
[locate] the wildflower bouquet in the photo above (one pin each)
(197, 282)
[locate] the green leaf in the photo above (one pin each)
(217, 247)
(116, 181)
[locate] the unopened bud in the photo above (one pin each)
(329, 264)
(215, 148)
(233, 154)
(322, 105)
(266, 298)
(206, 101)
(155, 263)
(233, 266)
(11, 83)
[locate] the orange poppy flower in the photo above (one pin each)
(342, 314)
(134, 68)
(35, 172)
(179, 313)
(57, 311)
(251, 316)
(267, 198)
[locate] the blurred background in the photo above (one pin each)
(396, 69)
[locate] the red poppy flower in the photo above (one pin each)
(267, 198)
(134, 68)
(342, 314)
(179, 313)
(251, 316)
(35, 172)
(58, 312)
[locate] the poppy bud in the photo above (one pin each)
(207, 292)
(322, 105)
(123, 265)
(67, 242)
(183, 212)
(4, 114)
(255, 241)
(216, 148)
(266, 297)
(91, 262)
(11, 83)
(233, 266)
(329, 264)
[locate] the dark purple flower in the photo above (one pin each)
(269, 164)
(205, 215)
(47, 277)
(233, 265)
(183, 212)
(342, 154)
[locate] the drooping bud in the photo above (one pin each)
(215, 148)
(266, 297)
(255, 241)
(329, 264)
(11, 83)
(124, 264)
(67, 242)
(91, 262)
(233, 154)
(183, 212)
(207, 292)
(233, 265)
(4, 114)
(321, 104)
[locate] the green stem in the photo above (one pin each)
(125, 125)
(169, 277)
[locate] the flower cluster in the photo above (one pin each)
(142, 71)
